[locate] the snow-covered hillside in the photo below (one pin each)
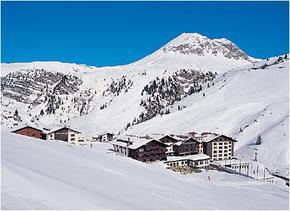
(192, 83)
(39, 174)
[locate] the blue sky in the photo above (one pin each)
(112, 33)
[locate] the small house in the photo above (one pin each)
(66, 134)
(30, 131)
(196, 161)
(188, 146)
(141, 149)
(104, 137)
(169, 141)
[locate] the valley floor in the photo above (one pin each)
(40, 174)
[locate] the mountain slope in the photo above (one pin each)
(77, 177)
(161, 93)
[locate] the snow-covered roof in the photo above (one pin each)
(178, 143)
(179, 137)
(136, 142)
(188, 157)
(210, 137)
(62, 127)
(119, 143)
(105, 133)
(24, 126)
(156, 136)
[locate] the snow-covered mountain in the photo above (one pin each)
(192, 83)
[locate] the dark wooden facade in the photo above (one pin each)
(151, 151)
(61, 134)
(168, 139)
(187, 147)
(30, 131)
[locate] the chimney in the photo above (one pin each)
(129, 142)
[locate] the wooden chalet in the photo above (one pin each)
(142, 149)
(104, 137)
(180, 145)
(30, 131)
(169, 140)
(65, 133)
(188, 146)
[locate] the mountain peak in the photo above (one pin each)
(197, 44)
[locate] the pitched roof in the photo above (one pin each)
(25, 126)
(210, 137)
(62, 127)
(188, 157)
(136, 142)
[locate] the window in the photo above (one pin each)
(225, 147)
(72, 135)
(220, 147)
(214, 143)
(72, 139)
(214, 155)
(220, 151)
(220, 144)
(141, 150)
(214, 151)
(225, 155)
(220, 155)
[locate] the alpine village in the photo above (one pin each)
(184, 153)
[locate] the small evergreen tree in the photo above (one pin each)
(16, 112)
(259, 140)
(41, 112)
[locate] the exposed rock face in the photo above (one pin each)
(201, 45)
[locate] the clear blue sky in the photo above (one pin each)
(111, 33)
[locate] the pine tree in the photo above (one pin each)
(259, 140)
(41, 112)
(16, 112)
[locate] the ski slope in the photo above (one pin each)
(39, 174)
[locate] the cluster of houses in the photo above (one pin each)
(64, 133)
(190, 150)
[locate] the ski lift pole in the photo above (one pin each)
(264, 174)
